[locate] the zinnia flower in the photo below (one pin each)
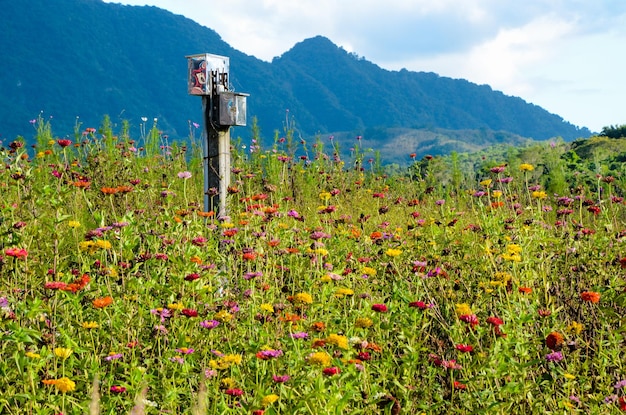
(63, 384)
(554, 357)
(590, 296)
(379, 308)
(62, 352)
(331, 371)
(269, 399)
(554, 341)
(102, 302)
(319, 358)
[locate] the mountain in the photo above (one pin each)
(86, 58)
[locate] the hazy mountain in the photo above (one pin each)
(86, 58)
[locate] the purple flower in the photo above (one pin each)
(300, 335)
(554, 357)
(114, 356)
(209, 324)
(440, 202)
(620, 384)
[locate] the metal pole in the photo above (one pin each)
(216, 161)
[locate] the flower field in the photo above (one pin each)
(329, 288)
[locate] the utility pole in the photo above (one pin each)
(221, 108)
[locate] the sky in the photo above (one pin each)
(566, 56)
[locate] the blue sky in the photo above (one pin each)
(566, 56)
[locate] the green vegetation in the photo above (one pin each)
(491, 282)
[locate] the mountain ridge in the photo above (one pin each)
(87, 58)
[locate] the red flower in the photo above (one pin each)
(64, 142)
(16, 253)
(465, 348)
(189, 312)
(379, 308)
(192, 277)
(459, 385)
(470, 319)
(331, 371)
(495, 321)
(55, 285)
(234, 392)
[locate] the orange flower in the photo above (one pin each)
(525, 290)
(206, 214)
(590, 296)
(318, 326)
(109, 190)
(102, 302)
(554, 340)
(376, 235)
(249, 256)
(82, 184)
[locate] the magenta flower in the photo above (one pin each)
(117, 389)
(209, 324)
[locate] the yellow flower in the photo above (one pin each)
(62, 352)
(496, 194)
(526, 167)
(269, 399)
(87, 246)
(175, 306)
(325, 196)
(90, 325)
(227, 225)
(463, 309)
(303, 298)
(569, 376)
(319, 358)
(512, 257)
(223, 316)
(226, 361)
(575, 327)
(32, 355)
(320, 251)
(393, 252)
(341, 292)
(368, 271)
(486, 182)
(363, 322)
(102, 244)
(538, 194)
(73, 224)
(267, 307)
(228, 383)
(513, 249)
(326, 278)
(64, 384)
(338, 340)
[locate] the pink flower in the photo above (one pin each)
(117, 389)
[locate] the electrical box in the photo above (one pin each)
(207, 74)
(231, 109)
